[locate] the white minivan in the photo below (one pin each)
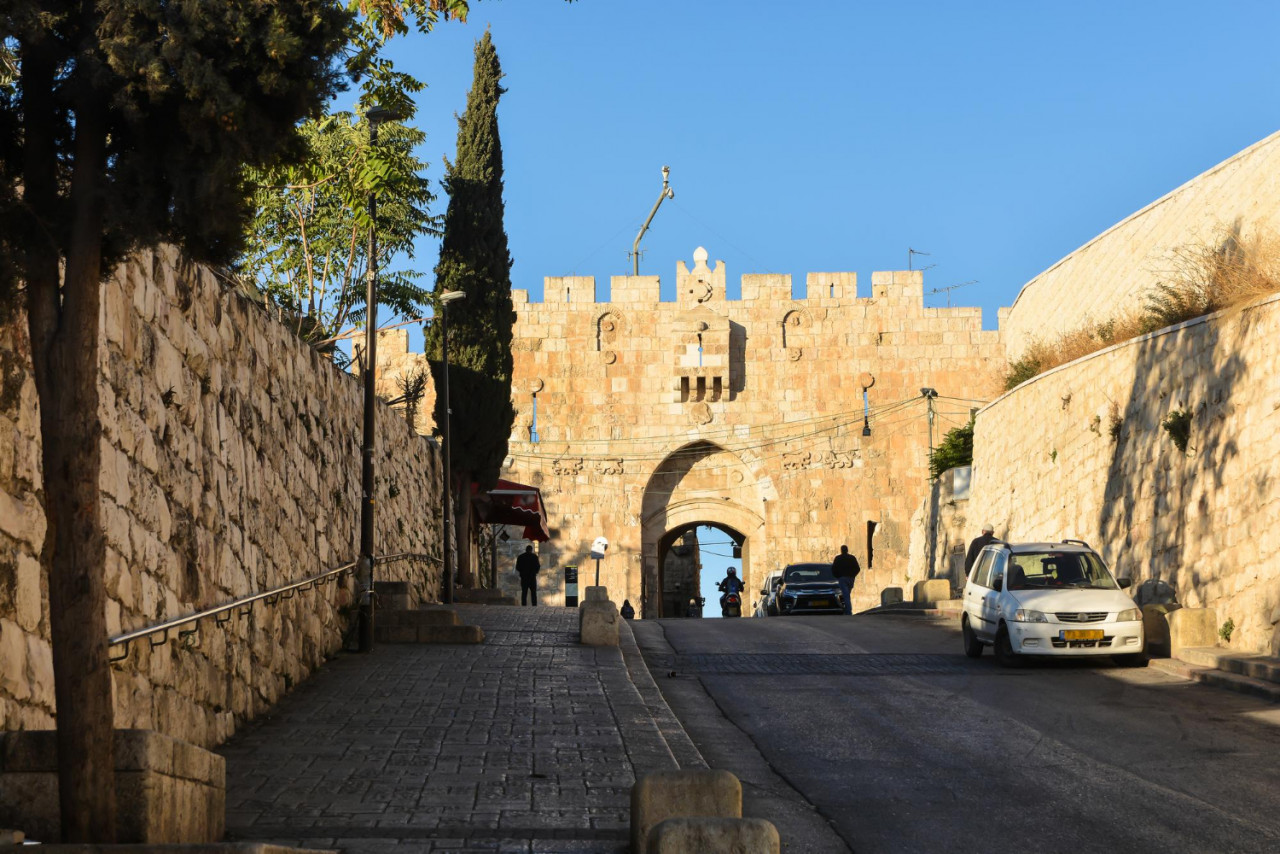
(1049, 599)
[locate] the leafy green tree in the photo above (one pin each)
(128, 126)
(474, 258)
(955, 450)
(307, 245)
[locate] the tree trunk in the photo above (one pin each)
(464, 560)
(65, 359)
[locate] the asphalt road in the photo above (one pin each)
(879, 729)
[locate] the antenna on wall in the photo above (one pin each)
(949, 288)
(911, 256)
(667, 193)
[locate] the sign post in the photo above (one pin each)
(571, 586)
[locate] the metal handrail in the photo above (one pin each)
(245, 604)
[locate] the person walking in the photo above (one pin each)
(975, 548)
(845, 568)
(527, 565)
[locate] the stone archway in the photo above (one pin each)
(701, 484)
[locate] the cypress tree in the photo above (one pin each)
(474, 258)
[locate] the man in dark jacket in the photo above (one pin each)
(528, 565)
(975, 548)
(845, 568)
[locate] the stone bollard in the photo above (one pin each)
(891, 596)
(714, 836)
(1155, 628)
(1192, 627)
(681, 794)
(931, 591)
(598, 620)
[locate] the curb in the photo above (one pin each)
(1215, 678)
(682, 748)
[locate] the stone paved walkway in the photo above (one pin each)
(526, 743)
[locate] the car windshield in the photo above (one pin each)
(1050, 570)
(802, 572)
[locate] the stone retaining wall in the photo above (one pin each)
(1115, 269)
(231, 465)
(1081, 452)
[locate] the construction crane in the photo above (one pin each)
(667, 193)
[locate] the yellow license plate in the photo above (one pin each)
(819, 603)
(1081, 634)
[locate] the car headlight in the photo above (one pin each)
(789, 594)
(1130, 615)
(1022, 615)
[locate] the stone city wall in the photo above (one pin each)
(1112, 272)
(655, 416)
(231, 465)
(1081, 452)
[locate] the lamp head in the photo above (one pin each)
(452, 296)
(377, 114)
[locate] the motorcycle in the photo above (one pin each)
(731, 605)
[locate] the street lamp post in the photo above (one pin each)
(375, 116)
(446, 298)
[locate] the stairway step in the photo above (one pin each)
(1263, 667)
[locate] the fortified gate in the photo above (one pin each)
(640, 419)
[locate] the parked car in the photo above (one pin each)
(808, 588)
(1049, 599)
(767, 605)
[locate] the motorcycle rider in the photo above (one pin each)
(731, 584)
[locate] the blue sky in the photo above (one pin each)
(833, 136)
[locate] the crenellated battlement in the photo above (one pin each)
(704, 284)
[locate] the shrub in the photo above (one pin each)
(956, 450)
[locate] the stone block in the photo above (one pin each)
(438, 615)
(714, 836)
(598, 623)
(392, 595)
(1190, 627)
(1155, 628)
(450, 634)
(891, 596)
(931, 591)
(596, 594)
(681, 794)
(166, 790)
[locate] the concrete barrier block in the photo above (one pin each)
(681, 794)
(597, 594)
(931, 591)
(1192, 627)
(598, 624)
(891, 596)
(714, 836)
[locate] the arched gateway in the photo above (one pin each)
(702, 484)
(793, 422)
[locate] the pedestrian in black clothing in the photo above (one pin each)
(528, 565)
(975, 548)
(845, 568)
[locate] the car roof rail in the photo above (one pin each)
(1078, 543)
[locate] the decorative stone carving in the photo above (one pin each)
(567, 466)
(610, 326)
(610, 357)
(610, 467)
(794, 462)
(840, 459)
(700, 413)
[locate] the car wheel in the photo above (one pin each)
(972, 646)
(1005, 655)
(1132, 659)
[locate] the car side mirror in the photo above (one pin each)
(1125, 583)
(997, 583)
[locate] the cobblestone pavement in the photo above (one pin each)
(526, 743)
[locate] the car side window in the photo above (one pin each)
(997, 567)
(982, 572)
